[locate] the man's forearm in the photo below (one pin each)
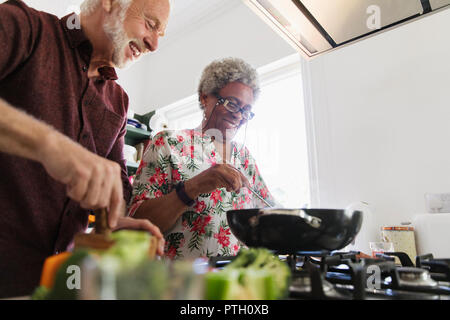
(21, 134)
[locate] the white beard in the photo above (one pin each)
(115, 31)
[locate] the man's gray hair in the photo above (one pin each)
(89, 6)
(221, 72)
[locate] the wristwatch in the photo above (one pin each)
(182, 194)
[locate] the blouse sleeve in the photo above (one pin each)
(250, 168)
(261, 188)
(154, 175)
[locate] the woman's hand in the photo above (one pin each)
(142, 224)
(218, 176)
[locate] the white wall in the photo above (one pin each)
(381, 113)
(57, 7)
(172, 72)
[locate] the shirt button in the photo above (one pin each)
(85, 68)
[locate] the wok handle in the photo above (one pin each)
(358, 206)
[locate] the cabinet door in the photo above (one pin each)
(344, 20)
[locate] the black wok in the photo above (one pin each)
(292, 230)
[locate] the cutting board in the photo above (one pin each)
(432, 232)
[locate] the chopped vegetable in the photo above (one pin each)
(61, 290)
(41, 293)
(254, 274)
(51, 266)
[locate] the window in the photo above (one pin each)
(276, 137)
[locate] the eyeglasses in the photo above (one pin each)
(233, 107)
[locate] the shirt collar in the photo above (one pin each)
(77, 39)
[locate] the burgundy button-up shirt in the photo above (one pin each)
(43, 71)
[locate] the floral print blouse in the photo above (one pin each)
(202, 230)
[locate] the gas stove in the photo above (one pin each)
(353, 276)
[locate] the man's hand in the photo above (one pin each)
(142, 224)
(91, 180)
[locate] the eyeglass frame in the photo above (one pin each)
(226, 102)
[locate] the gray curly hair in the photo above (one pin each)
(221, 72)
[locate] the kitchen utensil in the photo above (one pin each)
(381, 247)
(402, 238)
(134, 123)
(292, 230)
(260, 198)
(100, 238)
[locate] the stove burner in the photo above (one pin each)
(345, 275)
(408, 276)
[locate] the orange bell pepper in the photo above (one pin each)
(51, 266)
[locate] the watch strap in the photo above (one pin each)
(181, 193)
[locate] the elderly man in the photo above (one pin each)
(63, 124)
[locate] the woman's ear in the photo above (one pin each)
(204, 100)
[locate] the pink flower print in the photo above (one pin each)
(158, 194)
(176, 175)
(184, 225)
(222, 237)
(171, 253)
(216, 196)
(180, 139)
(264, 192)
(188, 150)
(133, 208)
(212, 158)
(141, 166)
(159, 177)
(140, 197)
(159, 142)
(200, 223)
(200, 206)
(246, 164)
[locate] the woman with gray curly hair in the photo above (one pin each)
(188, 179)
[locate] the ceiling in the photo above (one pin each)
(185, 15)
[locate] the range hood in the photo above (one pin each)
(314, 27)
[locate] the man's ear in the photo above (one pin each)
(107, 5)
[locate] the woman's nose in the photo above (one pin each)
(238, 115)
